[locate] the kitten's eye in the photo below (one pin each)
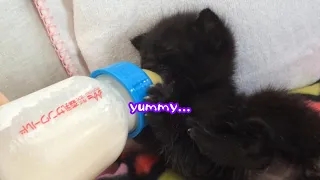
(149, 56)
(164, 47)
(147, 65)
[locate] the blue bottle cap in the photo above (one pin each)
(134, 80)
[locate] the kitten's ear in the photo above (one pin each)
(207, 19)
(136, 41)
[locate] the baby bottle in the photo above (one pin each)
(74, 129)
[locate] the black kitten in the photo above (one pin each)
(194, 54)
(227, 136)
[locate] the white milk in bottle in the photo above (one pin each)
(74, 129)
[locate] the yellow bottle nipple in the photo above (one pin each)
(155, 78)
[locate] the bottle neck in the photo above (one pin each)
(136, 83)
(132, 118)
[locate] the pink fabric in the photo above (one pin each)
(122, 169)
(53, 34)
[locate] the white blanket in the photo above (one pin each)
(27, 60)
(278, 42)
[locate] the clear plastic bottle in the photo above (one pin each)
(74, 129)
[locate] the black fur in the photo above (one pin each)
(268, 126)
(227, 135)
(194, 55)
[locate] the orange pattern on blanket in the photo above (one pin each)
(314, 105)
(144, 163)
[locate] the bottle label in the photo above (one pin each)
(94, 94)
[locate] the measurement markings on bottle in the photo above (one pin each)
(94, 94)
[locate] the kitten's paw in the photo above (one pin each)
(159, 93)
(156, 94)
(191, 123)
